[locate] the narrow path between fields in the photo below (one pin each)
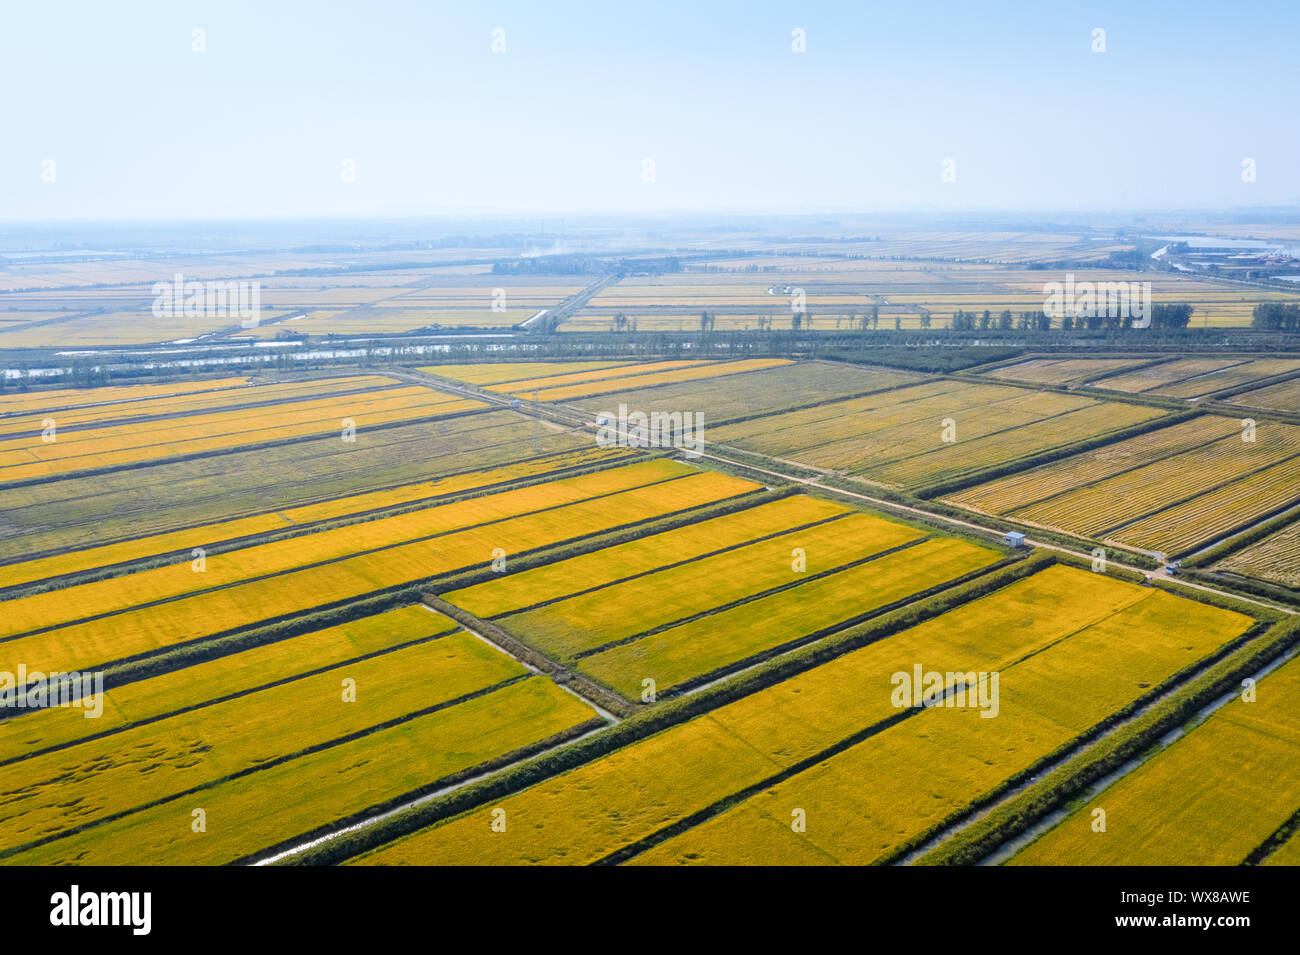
(581, 419)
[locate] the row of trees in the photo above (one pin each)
(969, 321)
(577, 263)
(1162, 316)
(1276, 316)
(708, 321)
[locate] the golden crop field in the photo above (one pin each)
(1005, 495)
(969, 455)
(495, 373)
(630, 380)
(927, 767)
(796, 385)
(259, 560)
(599, 502)
(1230, 377)
(597, 618)
(1176, 807)
(1237, 503)
(190, 404)
(158, 759)
(1191, 496)
(319, 788)
(692, 650)
(1063, 371)
(155, 497)
(17, 402)
(180, 543)
(1275, 557)
(1168, 490)
(1189, 377)
(222, 747)
(26, 458)
(582, 377)
(594, 810)
(1284, 396)
(608, 565)
(1164, 373)
(914, 435)
(226, 677)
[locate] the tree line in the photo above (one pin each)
(1276, 316)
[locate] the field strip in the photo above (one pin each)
(583, 419)
(928, 515)
(336, 783)
(1178, 528)
(775, 699)
(748, 598)
(157, 762)
(28, 471)
(298, 520)
(1009, 848)
(1270, 736)
(623, 372)
(487, 373)
(1062, 469)
(288, 853)
(902, 806)
(78, 512)
(721, 369)
(254, 396)
(799, 388)
(141, 632)
(478, 598)
(1195, 375)
(23, 403)
(222, 679)
(569, 628)
(585, 812)
(309, 408)
(310, 412)
(695, 652)
(1027, 441)
(96, 465)
(146, 588)
(1159, 491)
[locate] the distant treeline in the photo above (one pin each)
(574, 264)
(1162, 316)
(1277, 316)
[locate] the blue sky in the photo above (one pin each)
(140, 126)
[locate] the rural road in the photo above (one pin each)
(582, 419)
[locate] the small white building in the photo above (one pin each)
(1015, 539)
